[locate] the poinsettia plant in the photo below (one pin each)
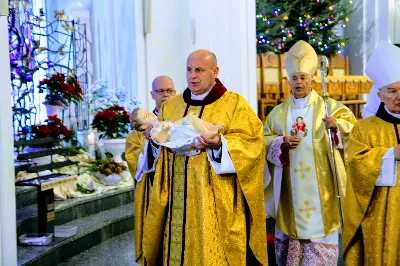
(53, 128)
(113, 122)
(61, 90)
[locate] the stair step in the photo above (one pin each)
(92, 230)
(119, 251)
(25, 196)
(71, 209)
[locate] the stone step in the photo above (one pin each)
(92, 230)
(71, 209)
(25, 196)
(119, 251)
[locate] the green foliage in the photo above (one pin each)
(281, 23)
(83, 190)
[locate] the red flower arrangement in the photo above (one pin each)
(61, 91)
(113, 122)
(54, 129)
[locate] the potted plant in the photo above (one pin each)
(113, 125)
(101, 97)
(54, 128)
(61, 91)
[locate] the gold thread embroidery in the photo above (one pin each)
(302, 170)
(307, 210)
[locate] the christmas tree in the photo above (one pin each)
(281, 23)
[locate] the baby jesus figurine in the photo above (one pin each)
(179, 135)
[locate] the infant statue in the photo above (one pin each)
(180, 135)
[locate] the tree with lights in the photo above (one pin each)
(281, 23)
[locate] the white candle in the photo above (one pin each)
(91, 138)
(92, 153)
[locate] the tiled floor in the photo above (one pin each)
(118, 251)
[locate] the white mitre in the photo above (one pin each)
(301, 58)
(383, 68)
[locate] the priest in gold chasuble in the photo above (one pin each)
(162, 90)
(208, 209)
(135, 143)
(302, 189)
(372, 204)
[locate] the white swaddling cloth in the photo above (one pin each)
(182, 137)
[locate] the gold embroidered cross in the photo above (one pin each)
(302, 170)
(307, 210)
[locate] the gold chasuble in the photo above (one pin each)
(135, 143)
(306, 204)
(372, 213)
(197, 217)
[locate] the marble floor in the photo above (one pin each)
(118, 251)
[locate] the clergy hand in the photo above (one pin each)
(212, 143)
(397, 153)
(147, 132)
(291, 142)
(330, 123)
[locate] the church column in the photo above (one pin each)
(373, 22)
(163, 40)
(395, 26)
(8, 234)
(228, 30)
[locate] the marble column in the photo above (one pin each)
(228, 29)
(372, 22)
(8, 234)
(178, 27)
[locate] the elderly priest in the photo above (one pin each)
(306, 211)
(372, 207)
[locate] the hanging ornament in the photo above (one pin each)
(289, 35)
(285, 18)
(346, 19)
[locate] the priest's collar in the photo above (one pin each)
(214, 94)
(201, 96)
(302, 102)
(384, 114)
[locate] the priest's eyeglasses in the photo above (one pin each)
(162, 91)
